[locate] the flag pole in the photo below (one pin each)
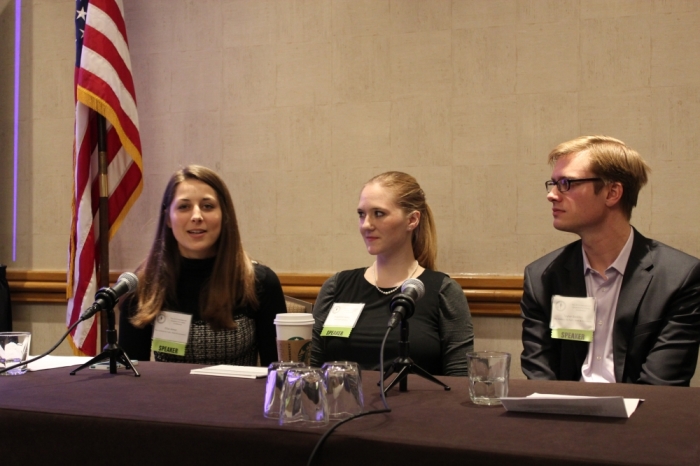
(103, 274)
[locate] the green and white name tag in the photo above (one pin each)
(170, 347)
(576, 335)
(342, 319)
(170, 332)
(573, 318)
(336, 332)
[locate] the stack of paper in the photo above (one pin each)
(51, 362)
(608, 406)
(224, 370)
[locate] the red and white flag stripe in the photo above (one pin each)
(103, 84)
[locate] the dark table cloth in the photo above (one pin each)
(170, 416)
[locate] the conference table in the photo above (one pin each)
(168, 416)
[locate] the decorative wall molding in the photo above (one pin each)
(488, 294)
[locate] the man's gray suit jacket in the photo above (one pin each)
(656, 330)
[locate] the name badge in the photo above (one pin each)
(573, 318)
(170, 332)
(342, 319)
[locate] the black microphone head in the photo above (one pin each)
(107, 297)
(414, 288)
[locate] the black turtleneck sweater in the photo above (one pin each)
(193, 277)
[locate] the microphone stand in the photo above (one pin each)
(112, 350)
(404, 365)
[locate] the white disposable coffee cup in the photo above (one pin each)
(294, 336)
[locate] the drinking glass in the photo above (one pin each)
(276, 373)
(344, 389)
(488, 376)
(14, 349)
(304, 398)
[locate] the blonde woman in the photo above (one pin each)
(397, 227)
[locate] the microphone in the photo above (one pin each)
(107, 297)
(404, 304)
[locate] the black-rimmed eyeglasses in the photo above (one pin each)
(564, 184)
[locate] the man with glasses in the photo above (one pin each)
(613, 306)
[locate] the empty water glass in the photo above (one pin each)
(276, 373)
(344, 389)
(14, 349)
(488, 376)
(304, 398)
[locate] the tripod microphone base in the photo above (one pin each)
(114, 354)
(403, 367)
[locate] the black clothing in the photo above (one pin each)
(255, 334)
(440, 330)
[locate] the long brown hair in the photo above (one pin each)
(410, 197)
(232, 282)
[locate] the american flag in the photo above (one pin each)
(103, 84)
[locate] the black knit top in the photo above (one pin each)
(254, 335)
(441, 331)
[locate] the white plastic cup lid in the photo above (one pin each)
(294, 319)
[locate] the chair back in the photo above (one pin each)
(297, 305)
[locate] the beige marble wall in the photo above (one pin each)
(7, 39)
(297, 102)
(45, 136)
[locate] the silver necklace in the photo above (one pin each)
(393, 289)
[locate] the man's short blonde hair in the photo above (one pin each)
(612, 161)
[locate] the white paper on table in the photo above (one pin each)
(607, 406)
(225, 370)
(52, 362)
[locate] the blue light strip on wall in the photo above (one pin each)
(18, 30)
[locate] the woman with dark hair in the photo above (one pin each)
(197, 266)
(398, 228)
